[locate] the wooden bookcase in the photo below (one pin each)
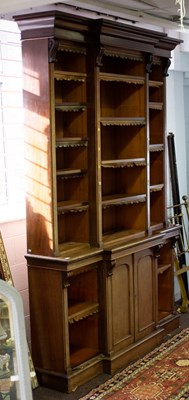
(99, 255)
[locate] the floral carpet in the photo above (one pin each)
(162, 374)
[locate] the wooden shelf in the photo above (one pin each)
(113, 238)
(156, 188)
(70, 76)
(155, 84)
(79, 355)
(71, 206)
(155, 105)
(136, 80)
(121, 199)
(110, 121)
(70, 173)
(67, 107)
(156, 147)
(163, 268)
(71, 142)
(80, 310)
(124, 163)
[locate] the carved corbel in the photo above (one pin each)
(109, 267)
(52, 47)
(149, 62)
(167, 64)
(157, 250)
(174, 240)
(99, 57)
(65, 280)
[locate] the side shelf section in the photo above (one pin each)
(157, 143)
(71, 144)
(65, 326)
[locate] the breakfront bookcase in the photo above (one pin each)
(99, 248)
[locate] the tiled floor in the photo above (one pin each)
(42, 393)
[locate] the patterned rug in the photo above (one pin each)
(162, 374)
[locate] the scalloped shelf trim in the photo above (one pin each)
(156, 84)
(135, 80)
(138, 162)
(68, 207)
(70, 76)
(156, 106)
(119, 200)
(70, 107)
(122, 121)
(81, 311)
(156, 147)
(123, 54)
(70, 174)
(156, 188)
(67, 48)
(71, 142)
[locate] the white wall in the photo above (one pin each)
(178, 123)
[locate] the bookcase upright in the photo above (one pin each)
(99, 247)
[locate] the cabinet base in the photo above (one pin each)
(133, 352)
(74, 378)
(170, 324)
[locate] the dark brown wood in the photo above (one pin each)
(99, 246)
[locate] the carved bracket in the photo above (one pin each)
(109, 267)
(99, 57)
(149, 62)
(157, 250)
(65, 280)
(53, 47)
(167, 64)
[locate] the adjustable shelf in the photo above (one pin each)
(124, 163)
(78, 311)
(110, 121)
(70, 107)
(70, 206)
(70, 173)
(156, 147)
(155, 106)
(70, 76)
(120, 199)
(71, 142)
(135, 80)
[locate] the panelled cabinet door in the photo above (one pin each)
(144, 293)
(120, 320)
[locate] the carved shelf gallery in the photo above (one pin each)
(110, 121)
(70, 173)
(156, 188)
(71, 206)
(156, 147)
(79, 310)
(121, 199)
(156, 84)
(136, 80)
(71, 142)
(66, 107)
(155, 105)
(124, 163)
(70, 76)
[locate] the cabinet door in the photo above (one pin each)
(144, 293)
(120, 305)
